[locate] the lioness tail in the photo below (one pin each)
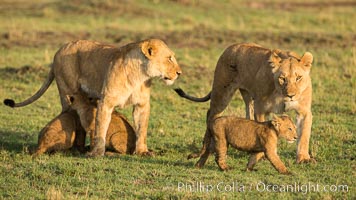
(37, 95)
(181, 93)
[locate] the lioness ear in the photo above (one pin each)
(307, 59)
(148, 49)
(275, 60)
(69, 99)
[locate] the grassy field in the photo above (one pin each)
(198, 32)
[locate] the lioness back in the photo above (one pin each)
(93, 60)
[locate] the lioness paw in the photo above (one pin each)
(99, 148)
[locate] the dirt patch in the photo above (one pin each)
(39, 39)
(205, 37)
(198, 37)
(26, 73)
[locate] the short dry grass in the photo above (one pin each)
(198, 31)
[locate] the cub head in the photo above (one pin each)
(86, 109)
(79, 101)
(291, 73)
(285, 128)
(161, 60)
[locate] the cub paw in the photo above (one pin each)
(305, 159)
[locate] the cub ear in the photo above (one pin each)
(148, 49)
(276, 121)
(307, 59)
(69, 99)
(275, 60)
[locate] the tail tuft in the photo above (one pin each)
(9, 102)
(180, 92)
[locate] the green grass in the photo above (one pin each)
(198, 32)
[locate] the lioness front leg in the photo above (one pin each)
(103, 118)
(304, 123)
(141, 113)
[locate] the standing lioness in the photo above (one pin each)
(250, 136)
(270, 81)
(117, 76)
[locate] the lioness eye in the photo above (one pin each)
(290, 129)
(298, 78)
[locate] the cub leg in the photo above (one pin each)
(116, 142)
(273, 157)
(254, 158)
(79, 140)
(220, 148)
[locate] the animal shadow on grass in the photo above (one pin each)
(21, 142)
(16, 142)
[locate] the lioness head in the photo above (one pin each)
(285, 128)
(161, 60)
(291, 73)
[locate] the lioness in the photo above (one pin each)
(120, 137)
(270, 81)
(117, 76)
(250, 136)
(62, 133)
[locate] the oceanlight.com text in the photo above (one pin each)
(236, 186)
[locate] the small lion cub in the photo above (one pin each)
(258, 138)
(120, 138)
(62, 133)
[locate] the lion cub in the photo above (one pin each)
(62, 133)
(258, 138)
(120, 137)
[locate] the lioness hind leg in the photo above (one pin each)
(206, 152)
(248, 104)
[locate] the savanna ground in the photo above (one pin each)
(198, 32)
